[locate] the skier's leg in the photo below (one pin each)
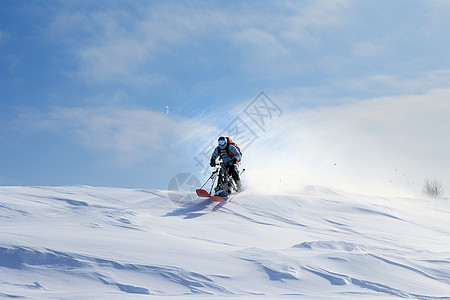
(235, 174)
(219, 182)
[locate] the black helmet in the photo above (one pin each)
(222, 142)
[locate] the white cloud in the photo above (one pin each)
(134, 44)
(268, 46)
(116, 45)
(368, 49)
(394, 84)
(313, 17)
(284, 27)
(438, 18)
(117, 62)
(126, 137)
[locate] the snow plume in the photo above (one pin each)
(384, 145)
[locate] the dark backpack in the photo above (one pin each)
(230, 142)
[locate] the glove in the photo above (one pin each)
(213, 162)
(234, 161)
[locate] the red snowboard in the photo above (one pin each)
(203, 193)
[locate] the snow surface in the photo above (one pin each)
(108, 243)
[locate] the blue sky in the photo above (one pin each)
(125, 93)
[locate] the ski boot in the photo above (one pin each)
(239, 186)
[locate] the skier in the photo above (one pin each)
(230, 157)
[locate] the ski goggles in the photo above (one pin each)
(222, 142)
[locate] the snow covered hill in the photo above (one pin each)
(108, 243)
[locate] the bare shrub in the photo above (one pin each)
(433, 188)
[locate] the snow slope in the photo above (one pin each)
(108, 243)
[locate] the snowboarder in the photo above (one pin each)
(231, 156)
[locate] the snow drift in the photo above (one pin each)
(93, 243)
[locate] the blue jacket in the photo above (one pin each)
(225, 153)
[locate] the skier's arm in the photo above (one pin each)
(215, 153)
(214, 157)
(235, 152)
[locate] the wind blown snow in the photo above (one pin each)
(381, 146)
(108, 243)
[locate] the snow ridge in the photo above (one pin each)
(93, 243)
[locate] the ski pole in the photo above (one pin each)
(212, 174)
(212, 185)
(206, 181)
